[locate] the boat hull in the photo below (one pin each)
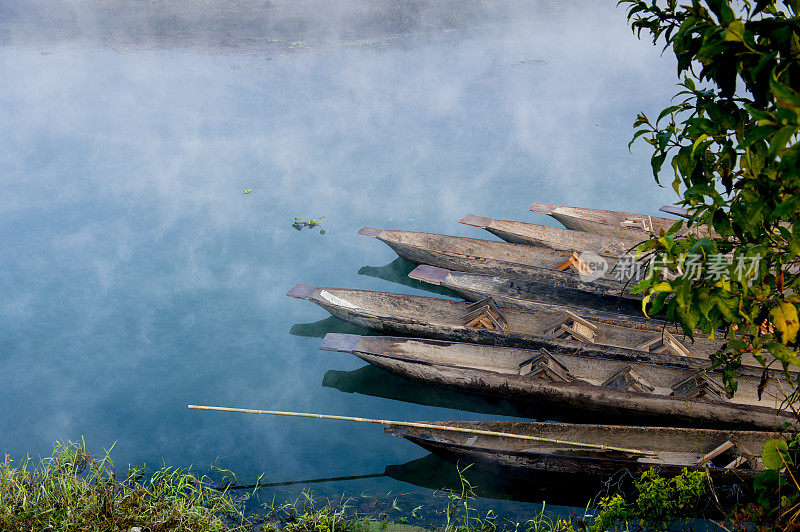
(385, 321)
(494, 258)
(523, 460)
(552, 237)
(611, 223)
(525, 294)
(432, 363)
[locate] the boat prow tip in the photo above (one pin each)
(344, 343)
(544, 208)
(301, 291)
(429, 274)
(374, 232)
(394, 430)
(476, 221)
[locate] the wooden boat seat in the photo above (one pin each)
(628, 379)
(484, 314)
(645, 224)
(665, 342)
(576, 262)
(572, 327)
(730, 445)
(700, 386)
(545, 366)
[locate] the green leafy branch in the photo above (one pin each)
(731, 140)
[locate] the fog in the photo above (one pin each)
(135, 275)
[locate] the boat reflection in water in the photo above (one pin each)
(376, 382)
(435, 473)
(397, 272)
(331, 324)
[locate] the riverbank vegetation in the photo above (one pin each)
(74, 491)
(730, 144)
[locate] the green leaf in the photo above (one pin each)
(663, 139)
(661, 288)
(655, 162)
(774, 453)
(668, 110)
(727, 305)
(697, 142)
(722, 10)
(780, 139)
(735, 31)
(658, 303)
(755, 134)
(688, 320)
(783, 353)
(636, 136)
(789, 98)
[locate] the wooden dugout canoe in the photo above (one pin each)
(431, 317)
(525, 294)
(552, 237)
(613, 223)
(675, 448)
(496, 258)
(647, 391)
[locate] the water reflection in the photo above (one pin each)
(301, 482)
(129, 247)
(397, 272)
(435, 473)
(331, 324)
(376, 382)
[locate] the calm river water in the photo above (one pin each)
(136, 276)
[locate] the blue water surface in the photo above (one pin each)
(136, 276)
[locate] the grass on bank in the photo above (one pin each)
(73, 491)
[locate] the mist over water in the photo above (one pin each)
(137, 277)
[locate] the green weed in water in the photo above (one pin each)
(300, 223)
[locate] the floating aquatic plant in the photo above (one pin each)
(311, 223)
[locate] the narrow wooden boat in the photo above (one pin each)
(674, 448)
(647, 391)
(531, 295)
(613, 223)
(552, 237)
(499, 258)
(432, 317)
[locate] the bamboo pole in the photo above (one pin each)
(426, 426)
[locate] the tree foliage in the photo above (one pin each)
(730, 138)
(730, 142)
